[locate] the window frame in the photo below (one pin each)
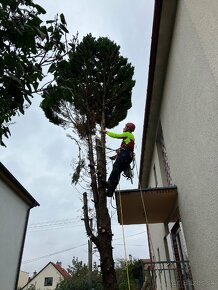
(48, 281)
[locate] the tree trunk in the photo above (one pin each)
(103, 243)
(104, 231)
(103, 240)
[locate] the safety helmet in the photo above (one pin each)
(130, 126)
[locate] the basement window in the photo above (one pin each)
(48, 281)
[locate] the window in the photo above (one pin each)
(163, 158)
(155, 175)
(169, 248)
(48, 281)
(158, 253)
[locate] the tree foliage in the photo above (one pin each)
(26, 47)
(79, 277)
(95, 79)
(135, 274)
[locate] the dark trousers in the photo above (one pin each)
(122, 162)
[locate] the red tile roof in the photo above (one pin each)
(63, 272)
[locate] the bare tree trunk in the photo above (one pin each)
(103, 243)
(105, 232)
(103, 240)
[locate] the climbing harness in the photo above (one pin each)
(128, 173)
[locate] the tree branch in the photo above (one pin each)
(86, 221)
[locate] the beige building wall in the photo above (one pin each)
(13, 213)
(23, 279)
(189, 118)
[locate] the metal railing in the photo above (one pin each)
(165, 275)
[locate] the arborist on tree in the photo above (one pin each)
(123, 158)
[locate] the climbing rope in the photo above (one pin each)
(145, 214)
(129, 175)
(146, 222)
(124, 241)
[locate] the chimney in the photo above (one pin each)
(34, 273)
(58, 263)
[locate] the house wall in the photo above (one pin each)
(23, 279)
(48, 271)
(13, 212)
(190, 127)
(157, 231)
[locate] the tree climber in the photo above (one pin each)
(123, 158)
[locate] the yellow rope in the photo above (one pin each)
(146, 221)
(145, 212)
(124, 242)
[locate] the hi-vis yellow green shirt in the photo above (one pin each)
(128, 139)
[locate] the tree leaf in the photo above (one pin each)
(40, 9)
(40, 33)
(63, 21)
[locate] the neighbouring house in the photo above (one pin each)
(178, 194)
(15, 205)
(48, 277)
(23, 279)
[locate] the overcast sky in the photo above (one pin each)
(40, 155)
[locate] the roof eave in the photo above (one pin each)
(16, 186)
(163, 24)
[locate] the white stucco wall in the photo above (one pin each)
(12, 224)
(48, 271)
(189, 117)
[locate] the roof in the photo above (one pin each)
(14, 184)
(146, 260)
(62, 271)
(146, 206)
(163, 24)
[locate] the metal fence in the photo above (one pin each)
(166, 275)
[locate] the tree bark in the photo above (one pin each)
(104, 231)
